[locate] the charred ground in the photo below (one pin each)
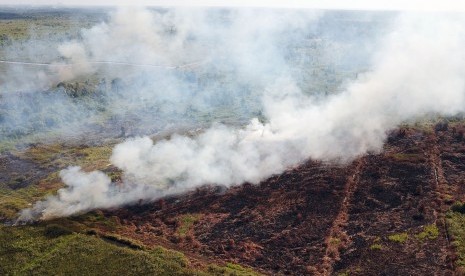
(385, 213)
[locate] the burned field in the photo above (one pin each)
(383, 214)
(178, 142)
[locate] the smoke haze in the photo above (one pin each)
(413, 67)
(156, 68)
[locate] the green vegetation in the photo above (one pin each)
(231, 270)
(12, 201)
(376, 246)
(120, 240)
(352, 271)
(458, 207)
(56, 230)
(24, 250)
(56, 250)
(95, 157)
(400, 238)
(335, 241)
(60, 156)
(456, 228)
(86, 244)
(430, 232)
(96, 219)
(55, 157)
(43, 24)
(186, 222)
(21, 29)
(6, 145)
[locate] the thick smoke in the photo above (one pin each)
(150, 70)
(95, 185)
(418, 69)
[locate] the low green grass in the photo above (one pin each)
(430, 232)
(95, 157)
(456, 229)
(96, 219)
(7, 145)
(84, 244)
(335, 241)
(376, 246)
(44, 25)
(12, 201)
(55, 156)
(60, 156)
(231, 270)
(400, 238)
(57, 250)
(186, 222)
(78, 254)
(78, 245)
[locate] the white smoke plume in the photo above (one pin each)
(418, 69)
(96, 185)
(155, 67)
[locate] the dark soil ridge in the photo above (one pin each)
(337, 237)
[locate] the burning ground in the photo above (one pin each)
(383, 214)
(272, 144)
(387, 213)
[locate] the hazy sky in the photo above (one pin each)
(449, 5)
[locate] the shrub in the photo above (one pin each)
(458, 207)
(123, 241)
(56, 230)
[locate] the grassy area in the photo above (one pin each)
(84, 244)
(25, 250)
(22, 24)
(335, 241)
(400, 238)
(231, 270)
(52, 157)
(186, 222)
(59, 155)
(456, 228)
(12, 201)
(56, 250)
(77, 245)
(430, 232)
(21, 29)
